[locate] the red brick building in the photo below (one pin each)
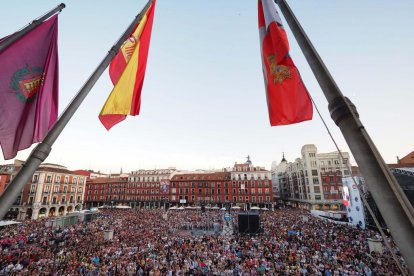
(196, 188)
(250, 185)
(139, 189)
(331, 184)
(408, 159)
(242, 185)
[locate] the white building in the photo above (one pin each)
(313, 181)
(53, 191)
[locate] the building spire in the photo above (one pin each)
(248, 160)
(283, 158)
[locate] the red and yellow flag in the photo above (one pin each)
(127, 72)
(288, 100)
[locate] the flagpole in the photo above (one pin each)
(393, 204)
(42, 150)
(19, 34)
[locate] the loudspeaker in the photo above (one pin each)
(249, 223)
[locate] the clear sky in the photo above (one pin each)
(203, 102)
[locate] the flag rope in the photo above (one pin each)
(364, 200)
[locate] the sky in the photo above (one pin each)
(203, 102)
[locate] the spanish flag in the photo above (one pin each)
(127, 72)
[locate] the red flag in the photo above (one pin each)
(288, 100)
(29, 88)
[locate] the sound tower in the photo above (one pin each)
(249, 223)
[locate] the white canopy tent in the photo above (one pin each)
(8, 222)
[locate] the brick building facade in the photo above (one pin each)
(139, 188)
(242, 185)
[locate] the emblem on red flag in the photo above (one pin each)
(27, 83)
(278, 72)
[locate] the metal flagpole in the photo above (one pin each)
(393, 204)
(42, 150)
(17, 35)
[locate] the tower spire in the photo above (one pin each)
(283, 157)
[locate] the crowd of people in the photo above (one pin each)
(152, 242)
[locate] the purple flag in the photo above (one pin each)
(29, 88)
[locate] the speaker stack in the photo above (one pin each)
(249, 223)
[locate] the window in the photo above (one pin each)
(57, 179)
(74, 180)
(317, 197)
(315, 180)
(312, 154)
(66, 179)
(32, 189)
(315, 172)
(56, 189)
(49, 179)
(35, 178)
(47, 189)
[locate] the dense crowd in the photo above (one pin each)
(151, 242)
